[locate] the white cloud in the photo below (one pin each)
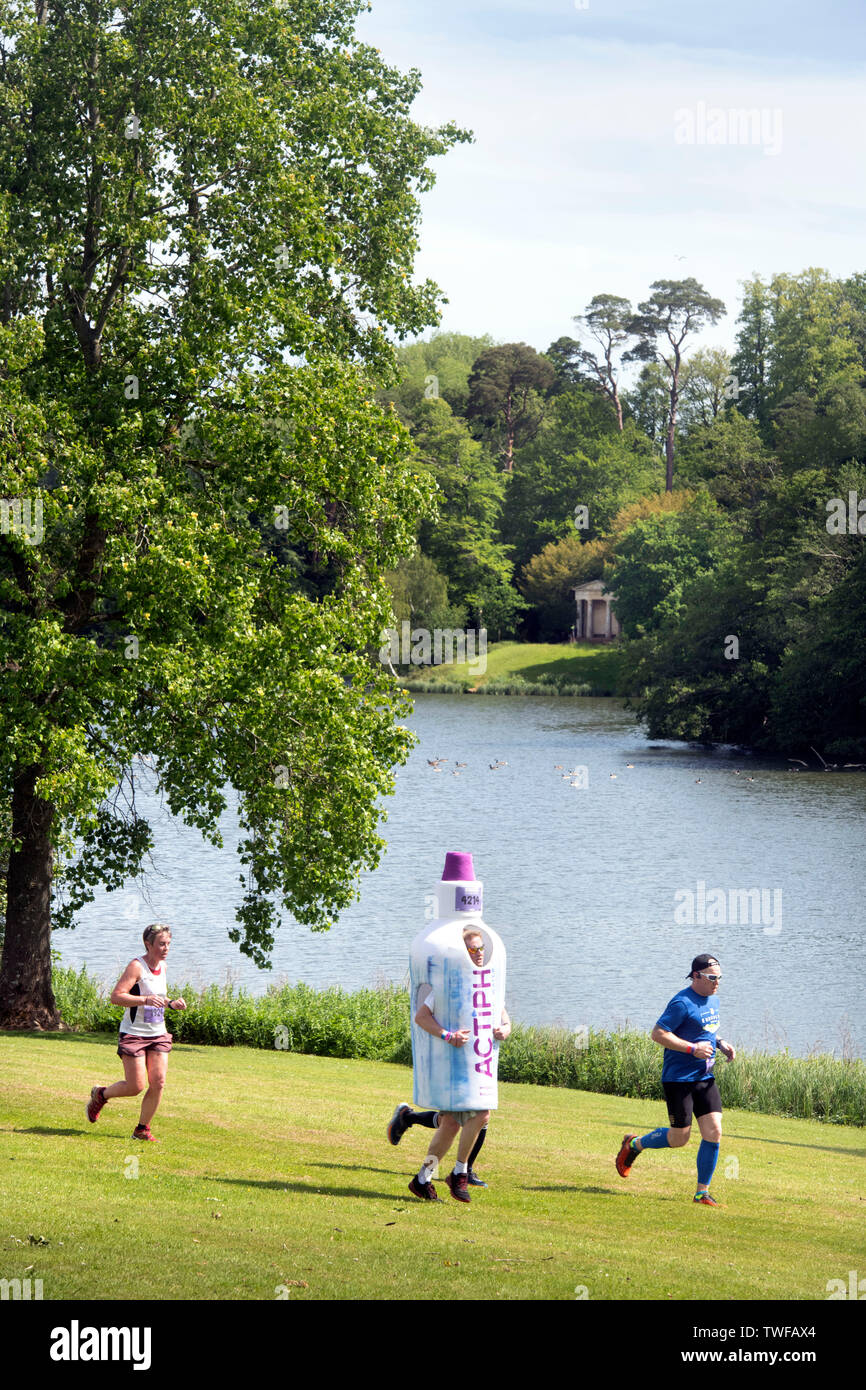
(576, 184)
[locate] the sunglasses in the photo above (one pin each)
(715, 978)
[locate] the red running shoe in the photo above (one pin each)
(143, 1132)
(425, 1190)
(458, 1186)
(703, 1199)
(626, 1156)
(95, 1104)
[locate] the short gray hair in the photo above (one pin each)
(151, 932)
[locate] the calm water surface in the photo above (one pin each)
(581, 883)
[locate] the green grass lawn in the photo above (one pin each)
(273, 1173)
(577, 663)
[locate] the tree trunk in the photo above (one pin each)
(26, 996)
(669, 456)
(509, 453)
(672, 425)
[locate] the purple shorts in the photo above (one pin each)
(129, 1045)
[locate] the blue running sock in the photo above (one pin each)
(657, 1139)
(708, 1157)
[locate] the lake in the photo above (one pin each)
(602, 892)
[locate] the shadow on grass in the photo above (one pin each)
(43, 1129)
(792, 1144)
(356, 1168)
(275, 1185)
(565, 1187)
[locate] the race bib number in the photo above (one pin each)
(466, 902)
(151, 1013)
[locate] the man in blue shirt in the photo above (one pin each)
(687, 1031)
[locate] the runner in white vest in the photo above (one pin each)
(143, 1045)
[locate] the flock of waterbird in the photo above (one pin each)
(577, 776)
(436, 764)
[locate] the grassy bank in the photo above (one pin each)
(273, 1179)
(374, 1024)
(523, 668)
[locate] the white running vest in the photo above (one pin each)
(146, 1021)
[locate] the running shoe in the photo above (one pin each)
(95, 1104)
(425, 1190)
(457, 1184)
(143, 1132)
(626, 1156)
(703, 1199)
(474, 1180)
(397, 1125)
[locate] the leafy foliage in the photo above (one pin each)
(506, 395)
(658, 557)
(208, 221)
(556, 569)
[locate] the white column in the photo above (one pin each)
(607, 621)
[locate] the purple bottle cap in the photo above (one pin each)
(458, 867)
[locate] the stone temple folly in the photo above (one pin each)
(595, 620)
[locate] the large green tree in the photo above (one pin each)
(607, 319)
(659, 556)
(208, 221)
(675, 310)
(579, 460)
(730, 459)
(462, 535)
(708, 388)
(800, 339)
(437, 368)
(507, 390)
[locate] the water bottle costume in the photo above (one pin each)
(465, 995)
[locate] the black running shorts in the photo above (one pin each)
(685, 1097)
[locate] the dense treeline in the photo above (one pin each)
(723, 500)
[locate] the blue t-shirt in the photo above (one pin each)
(694, 1019)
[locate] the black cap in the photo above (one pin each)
(701, 963)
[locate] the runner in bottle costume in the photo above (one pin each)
(470, 1124)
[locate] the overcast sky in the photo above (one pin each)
(592, 169)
